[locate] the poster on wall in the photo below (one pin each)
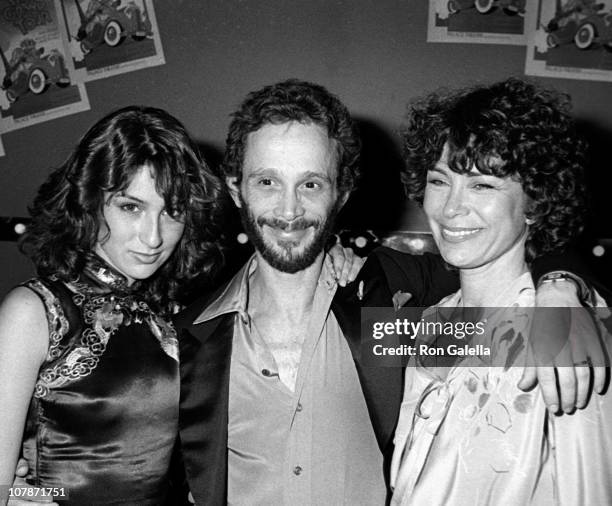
(570, 39)
(477, 21)
(110, 37)
(37, 76)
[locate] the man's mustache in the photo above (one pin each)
(288, 226)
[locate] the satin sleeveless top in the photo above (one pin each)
(104, 414)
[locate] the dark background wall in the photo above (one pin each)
(372, 53)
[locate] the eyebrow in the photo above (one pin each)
(318, 175)
(437, 168)
(124, 195)
(275, 172)
(262, 172)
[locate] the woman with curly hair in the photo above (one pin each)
(498, 170)
(89, 378)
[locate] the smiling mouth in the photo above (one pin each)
(289, 235)
(459, 234)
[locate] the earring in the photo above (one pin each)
(529, 221)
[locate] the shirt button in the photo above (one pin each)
(297, 470)
(265, 372)
(299, 408)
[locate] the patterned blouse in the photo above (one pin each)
(103, 418)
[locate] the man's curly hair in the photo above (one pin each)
(528, 128)
(68, 209)
(306, 103)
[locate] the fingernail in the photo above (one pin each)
(553, 408)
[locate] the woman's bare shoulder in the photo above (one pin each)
(23, 319)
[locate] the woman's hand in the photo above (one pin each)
(344, 264)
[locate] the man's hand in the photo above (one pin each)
(566, 349)
(344, 264)
(36, 497)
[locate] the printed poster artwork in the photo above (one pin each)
(37, 77)
(477, 21)
(570, 39)
(109, 37)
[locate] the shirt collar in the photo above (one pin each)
(235, 296)
(104, 277)
(520, 290)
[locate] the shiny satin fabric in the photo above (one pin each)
(104, 418)
(469, 435)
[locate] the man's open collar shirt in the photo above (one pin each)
(313, 445)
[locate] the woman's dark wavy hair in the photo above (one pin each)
(526, 127)
(67, 210)
(295, 100)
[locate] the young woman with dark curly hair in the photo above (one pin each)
(88, 356)
(498, 170)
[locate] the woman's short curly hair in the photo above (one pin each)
(68, 208)
(528, 128)
(304, 102)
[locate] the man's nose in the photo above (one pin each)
(289, 206)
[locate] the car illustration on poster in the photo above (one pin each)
(581, 23)
(485, 6)
(31, 71)
(106, 22)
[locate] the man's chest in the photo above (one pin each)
(294, 443)
(285, 345)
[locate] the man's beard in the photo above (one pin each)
(287, 260)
